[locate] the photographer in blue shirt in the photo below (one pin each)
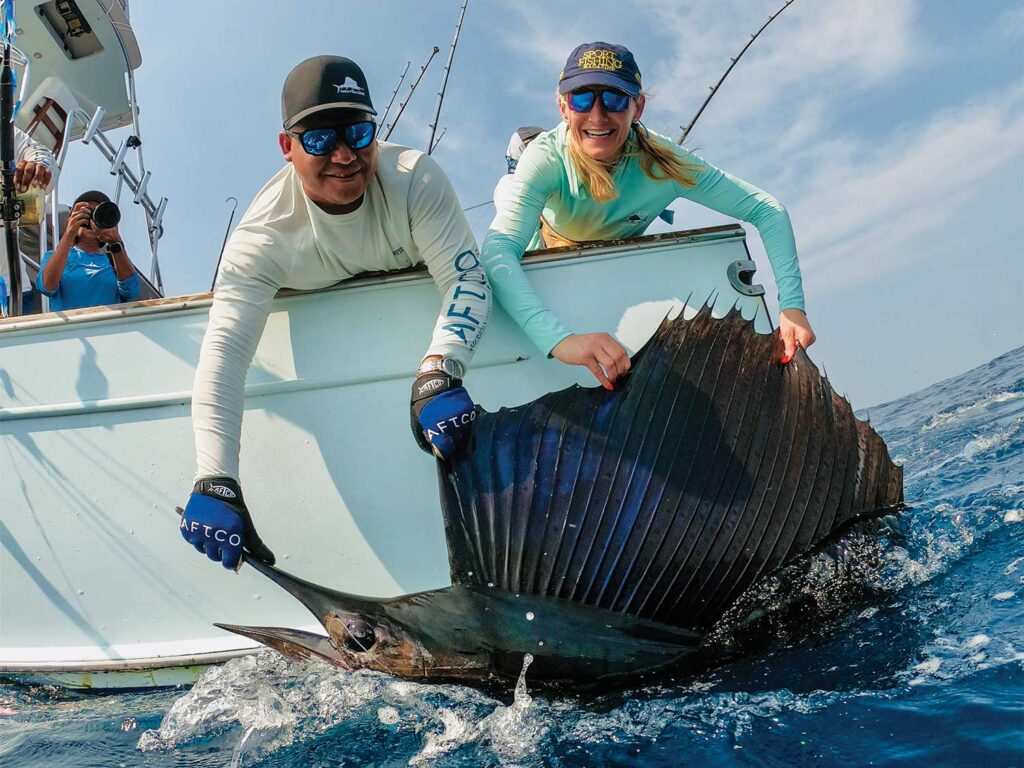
(90, 266)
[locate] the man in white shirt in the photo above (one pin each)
(35, 167)
(516, 145)
(343, 204)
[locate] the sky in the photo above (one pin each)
(892, 130)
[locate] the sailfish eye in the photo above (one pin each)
(359, 636)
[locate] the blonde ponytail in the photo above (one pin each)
(659, 160)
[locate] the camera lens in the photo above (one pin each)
(106, 215)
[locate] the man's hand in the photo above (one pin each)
(216, 522)
(795, 331)
(112, 235)
(599, 352)
(80, 218)
(29, 174)
(442, 413)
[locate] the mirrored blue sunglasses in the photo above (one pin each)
(583, 100)
(323, 141)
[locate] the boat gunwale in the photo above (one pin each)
(10, 669)
(139, 309)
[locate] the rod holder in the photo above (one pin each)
(94, 125)
(115, 167)
(140, 193)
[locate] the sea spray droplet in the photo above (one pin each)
(522, 698)
(1013, 516)
(129, 724)
(388, 715)
(529, 617)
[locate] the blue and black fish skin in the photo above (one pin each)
(606, 532)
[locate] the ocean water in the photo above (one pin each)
(927, 670)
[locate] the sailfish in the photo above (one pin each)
(604, 533)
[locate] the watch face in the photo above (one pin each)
(453, 368)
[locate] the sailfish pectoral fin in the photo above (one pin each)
(296, 644)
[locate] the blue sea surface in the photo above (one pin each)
(929, 672)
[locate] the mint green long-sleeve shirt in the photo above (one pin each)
(545, 183)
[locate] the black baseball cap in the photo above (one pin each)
(92, 196)
(529, 132)
(321, 83)
(600, 64)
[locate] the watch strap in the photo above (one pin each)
(453, 368)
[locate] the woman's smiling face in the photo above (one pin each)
(601, 134)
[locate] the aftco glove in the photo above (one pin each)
(442, 413)
(217, 523)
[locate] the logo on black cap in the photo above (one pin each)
(350, 86)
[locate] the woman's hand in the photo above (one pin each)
(599, 352)
(795, 331)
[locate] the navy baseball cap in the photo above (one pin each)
(600, 64)
(321, 83)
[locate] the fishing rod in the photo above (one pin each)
(412, 89)
(384, 117)
(431, 144)
(10, 207)
(716, 86)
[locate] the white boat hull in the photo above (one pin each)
(96, 587)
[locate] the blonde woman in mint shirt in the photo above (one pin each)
(601, 175)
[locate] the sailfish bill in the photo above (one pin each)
(606, 532)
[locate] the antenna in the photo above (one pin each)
(412, 89)
(716, 86)
(431, 144)
(394, 93)
(227, 232)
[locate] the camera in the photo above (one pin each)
(106, 215)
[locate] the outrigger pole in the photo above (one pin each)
(431, 144)
(716, 86)
(412, 89)
(384, 117)
(10, 205)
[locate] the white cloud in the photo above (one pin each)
(863, 206)
(816, 48)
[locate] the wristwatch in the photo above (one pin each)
(114, 247)
(453, 368)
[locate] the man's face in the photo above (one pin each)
(336, 181)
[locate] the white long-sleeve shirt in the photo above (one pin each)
(28, 149)
(410, 215)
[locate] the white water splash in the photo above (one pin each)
(270, 699)
(970, 410)
(512, 733)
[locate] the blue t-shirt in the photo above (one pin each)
(88, 280)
